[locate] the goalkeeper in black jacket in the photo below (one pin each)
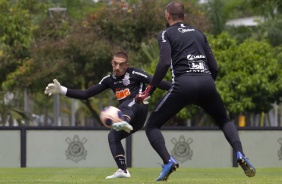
(126, 83)
(194, 69)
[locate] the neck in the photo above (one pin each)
(175, 21)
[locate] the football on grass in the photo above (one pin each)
(110, 115)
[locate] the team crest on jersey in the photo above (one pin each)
(126, 80)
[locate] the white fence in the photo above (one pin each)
(35, 147)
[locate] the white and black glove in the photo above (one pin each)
(55, 88)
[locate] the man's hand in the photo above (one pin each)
(142, 98)
(53, 88)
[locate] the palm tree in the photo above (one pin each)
(9, 115)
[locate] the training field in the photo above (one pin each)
(138, 175)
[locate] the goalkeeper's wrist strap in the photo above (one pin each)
(63, 90)
(150, 89)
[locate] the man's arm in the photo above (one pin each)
(213, 67)
(163, 64)
(160, 72)
(57, 88)
(85, 94)
(163, 85)
(144, 77)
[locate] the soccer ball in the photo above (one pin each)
(110, 115)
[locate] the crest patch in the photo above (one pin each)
(76, 150)
(126, 80)
(182, 150)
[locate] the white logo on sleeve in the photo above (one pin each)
(163, 36)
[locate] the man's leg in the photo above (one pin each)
(118, 153)
(136, 115)
(214, 106)
(166, 109)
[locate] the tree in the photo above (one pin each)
(250, 77)
(271, 27)
(15, 39)
(68, 47)
(77, 61)
(269, 8)
(216, 16)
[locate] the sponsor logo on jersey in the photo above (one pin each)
(138, 73)
(197, 66)
(193, 57)
(122, 94)
(182, 30)
(117, 82)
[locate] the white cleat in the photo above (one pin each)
(119, 174)
(123, 125)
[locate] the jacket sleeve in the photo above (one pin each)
(164, 59)
(211, 61)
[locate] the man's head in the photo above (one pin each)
(119, 63)
(174, 13)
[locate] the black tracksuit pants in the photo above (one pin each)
(199, 90)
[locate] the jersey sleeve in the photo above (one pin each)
(211, 62)
(147, 78)
(164, 59)
(90, 92)
(141, 75)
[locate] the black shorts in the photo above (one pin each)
(136, 112)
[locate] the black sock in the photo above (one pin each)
(120, 160)
(157, 141)
(232, 136)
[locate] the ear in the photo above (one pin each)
(167, 15)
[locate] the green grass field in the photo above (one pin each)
(138, 175)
